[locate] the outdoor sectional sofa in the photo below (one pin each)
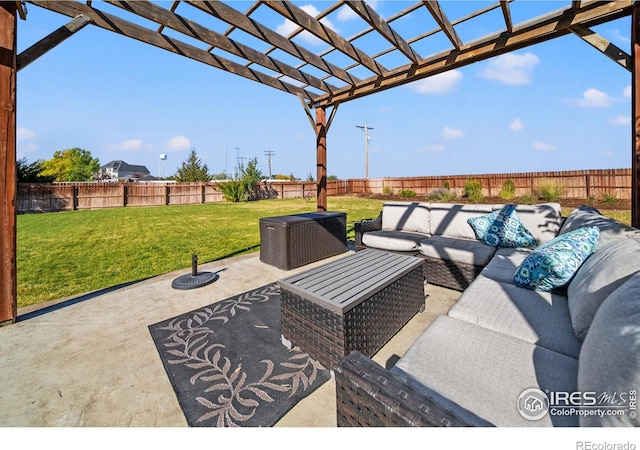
(507, 354)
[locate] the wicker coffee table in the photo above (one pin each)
(355, 303)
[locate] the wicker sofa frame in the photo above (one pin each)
(440, 272)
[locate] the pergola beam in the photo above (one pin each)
(49, 42)
(134, 31)
(376, 22)
(229, 15)
(170, 19)
(607, 48)
(506, 12)
(298, 16)
(550, 26)
(444, 23)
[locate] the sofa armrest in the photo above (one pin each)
(365, 226)
(369, 395)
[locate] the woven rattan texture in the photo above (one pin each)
(367, 395)
(449, 274)
(287, 246)
(329, 337)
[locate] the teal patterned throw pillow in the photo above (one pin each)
(554, 263)
(502, 228)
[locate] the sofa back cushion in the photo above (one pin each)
(543, 221)
(406, 216)
(610, 356)
(609, 229)
(451, 220)
(602, 273)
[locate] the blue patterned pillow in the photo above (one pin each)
(502, 228)
(554, 263)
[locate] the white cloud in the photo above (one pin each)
(432, 148)
(516, 125)
(593, 98)
(22, 134)
(608, 154)
(511, 68)
(131, 144)
(452, 133)
(624, 39)
(541, 146)
(627, 91)
(442, 83)
(620, 121)
(178, 143)
(288, 27)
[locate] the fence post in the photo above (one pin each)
(588, 184)
(74, 198)
(203, 193)
(124, 195)
(166, 194)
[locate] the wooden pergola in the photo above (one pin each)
(217, 34)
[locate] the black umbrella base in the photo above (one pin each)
(190, 281)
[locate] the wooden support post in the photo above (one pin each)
(8, 168)
(321, 157)
(635, 114)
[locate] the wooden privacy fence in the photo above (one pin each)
(77, 196)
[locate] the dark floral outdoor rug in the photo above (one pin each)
(228, 366)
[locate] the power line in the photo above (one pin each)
(269, 153)
(367, 138)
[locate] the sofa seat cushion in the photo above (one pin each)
(540, 318)
(601, 274)
(610, 357)
(400, 241)
(485, 372)
(610, 229)
(554, 263)
(504, 264)
(542, 220)
(466, 251)
(406, 216)
(450, 220)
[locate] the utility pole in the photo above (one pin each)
(367, 138)
(269, 153)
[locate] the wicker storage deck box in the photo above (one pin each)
(287, 242)
(355, 303)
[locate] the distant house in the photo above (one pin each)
(121, 171)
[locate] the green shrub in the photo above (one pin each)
(608, 198)
(387, 191)
(476, 197)
(442, 195)
(549, 190)
(446, 185)
(528, 199)
(508, 190)
(407, 193)
(472, 187)
(233, 190)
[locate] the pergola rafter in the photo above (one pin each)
(318, 82)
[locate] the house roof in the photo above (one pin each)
(122, 166)
(257, 51)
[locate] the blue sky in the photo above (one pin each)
(559, 105)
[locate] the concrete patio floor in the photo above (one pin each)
(89, 361)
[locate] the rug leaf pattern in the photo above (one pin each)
(227, 363)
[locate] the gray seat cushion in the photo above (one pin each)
(450, 220)
(609, 228)
(504, 264)
(485, 372)
(406, 216)
(401, 241)
(467, 251)
(603, 272)
(540, 318)
(610, 356)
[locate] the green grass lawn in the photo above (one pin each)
(69, 253)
